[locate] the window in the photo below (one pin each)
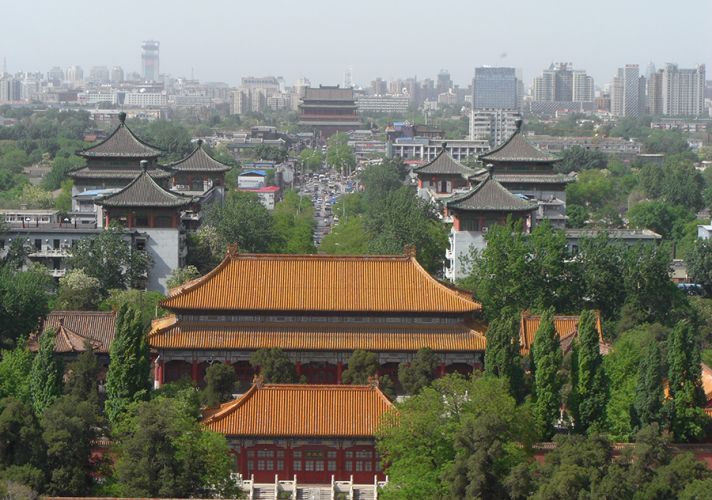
(359, 466)
(331, 465)
(141, 220)
(297, 465)
(250, 465)
(38, 244)
(349, 466)
(331, 454)
(280, 464)
(55, 244)
(319, 465)
(163, 221)
(309, 465)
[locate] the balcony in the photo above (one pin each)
(51, 252)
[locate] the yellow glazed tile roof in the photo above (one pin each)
(174, 334)
(566, 327)
(319, 283)
(301, 411)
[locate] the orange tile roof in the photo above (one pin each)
(707, 381)
(566, 327)
(76, 327)
(326, 283)
(301, 411)
(172, 333)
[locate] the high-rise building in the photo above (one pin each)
(654, 93)
(10, 89)
(683, 90)
(75, 74)
(625, 92)
(444, 82)
(495, 88)
(149, 60)
(55, 75)
(493, 125)
(379, 87)
(99, 74)
(117, 74)
(561, 83)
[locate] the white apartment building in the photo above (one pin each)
(683, 91)
(493, 125)
(383, 104)
(423, 149)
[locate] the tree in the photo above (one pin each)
(205, 248)
(590, 392)
(684, 381)
(502, 358)
(181, 275)
(648, 402)
(243, 220)
(311, 159)
(362, 366)
(682, 184)
(420, 372)
(659, 216)
(576, 159)
(270, 153)
(665, 141)
(602, 262)
(219, 384)
(78, 292)
(128, 377)
(699, 263)
(15, 367)
(294, 224)
(22, 450)
(488, 445)
(348, 237)
(673, 478)
(592, 189)
(110, 259)
(69, 429)
(274, 366)
(82, 378)
(61, 166)
(23, 301)
(46, 374)
(547, 357)
(163, 451)
(144, 301)
(339, 154)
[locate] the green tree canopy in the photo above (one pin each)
(648, 402)
(502, 358)
(181, 275)
(219, 384)
(274, 366)
(45, 374)
(294, 224)
(15, 367)
(576, 159)
(23, 301)
(21, 446)
(245, 221)
(78, 291)
(546, 354)
(83, 377)
(699, 263)
(420, 372)
(361, 366)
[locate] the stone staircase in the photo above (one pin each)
(263, 492)
(313, 493)
(364, 492)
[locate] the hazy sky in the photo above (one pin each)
(223, 40)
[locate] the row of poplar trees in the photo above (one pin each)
(572, 392)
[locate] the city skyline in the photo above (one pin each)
(296, 45)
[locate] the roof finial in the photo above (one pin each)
(232, 250)
(409, 250)
(200, 143)
(373, 381)
(144, 165)
(258, 380)
(444, 146)
(122, 117)
(518, 123)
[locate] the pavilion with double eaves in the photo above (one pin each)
(442, 176)
(198, 172)
(318, 309)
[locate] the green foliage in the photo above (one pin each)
(78, 291)
(576, 159)
(699, 263)
(243, 220)
(311, 159)
(547, 358)
(673, 478)
(181, 275)
(603, 262)
(577, 216)
(502, 358)
(205, 248)
(15, 367)
(294, 224)
(648, 402)
(660, 216)
(69, 429)
(420, 372)
(163, 451)
(362, 366)
(82, 378)
(219, 384)
(128, 377)
(169, 136)
(61, 166)
(591, 189)
(441, 442)
(23, 301)
(684, 381)
(146, 302)
(665, 141)
(590, 392)
(339, 154)
(274, 366)
(348, 237)
(45, 374)
(21, 445)
(270, 153)
(110, 259)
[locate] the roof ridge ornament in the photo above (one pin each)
(373, 381)
(258, 381)
(233, 250)
(200, 143)
(409, 251)
(122, 117)
(144, 165)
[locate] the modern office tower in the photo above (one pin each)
(654, 93)
(444, 82)
(683, 90)
(117, 74)
(625, 92)
(379, 87)
(561, 83)
(495, 88)
(10, 89)
(55, 75)
(149, 60)
(99, 74)
(74, 74)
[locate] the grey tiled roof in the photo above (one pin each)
(143, 191)
(517, 149)
(74, 328)
(490, 195)
(328, 94)
(122, 143)
(535, 178)
(199, 161)
(128, 174)
(445, 164)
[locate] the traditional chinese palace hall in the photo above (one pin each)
(313, 432)
(318, 309)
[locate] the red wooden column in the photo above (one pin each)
(243, 462)
(194, 371)
(159, 374)
(289, 460)
(339, 371)
(298, 368)
(441, 370)
(340, 472)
